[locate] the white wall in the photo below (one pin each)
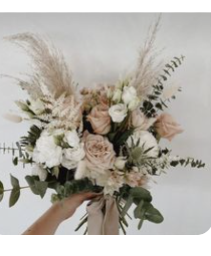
(103, 47)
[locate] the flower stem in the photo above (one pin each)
(8, 190)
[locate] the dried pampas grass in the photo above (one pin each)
(148, 69)
(49, 67)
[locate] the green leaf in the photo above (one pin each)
(127, 206)
(140, 224)
(152, 214)
(41, 187)
(139, 211)
(139, 193)
(1, 191)
(123, 137)
(15, 161)
(159, 106)
(31, 180)
(14, 196)
(14, 182)
(36, 186)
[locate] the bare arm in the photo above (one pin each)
(48, 223)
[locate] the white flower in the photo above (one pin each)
(38, 170)
(129, 94)
(46, 151)
(118, 113)
(120, 163)
(117, 95)
(111, 181)
(71, 137)
(81, 171)
(146, 140)
(134, 104)
(72, 156)
(37, 106)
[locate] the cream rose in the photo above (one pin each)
(118, 113)
(99, 154)
(167, 127)
(100, 119)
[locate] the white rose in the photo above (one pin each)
(134, 104)
(118, 113)
(37, 106)
(72, 156)
(71, 137)
(38, 170)
(117, 95)
(46, 151)
(146, 140)
(129, 94)
(120, 163)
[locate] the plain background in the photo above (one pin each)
(102, 48)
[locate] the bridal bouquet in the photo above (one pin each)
(103, 139)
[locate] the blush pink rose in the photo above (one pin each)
(99, 153)
(100, 119)
(140, 121)
(166, 126)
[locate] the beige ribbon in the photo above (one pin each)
(103, 216)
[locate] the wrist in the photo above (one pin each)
(62, 211)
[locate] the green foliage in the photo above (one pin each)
(149, 108)
(14, 196)
(74, 187)
(142, 198)
(33, 136)
(188, 161)
(152, 214)
(15, 193)
(1, 191)
(25, 107)
(37, 187)
(5, 149)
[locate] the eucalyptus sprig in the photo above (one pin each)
(154, 101)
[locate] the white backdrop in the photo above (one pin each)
(104, 47)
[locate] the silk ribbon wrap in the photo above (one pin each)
(103, 216)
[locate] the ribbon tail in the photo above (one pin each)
(95, 217)
(111, 217)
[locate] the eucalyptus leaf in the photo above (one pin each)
(140, 194)
(1, 191)
(139, 211)
(14, 196)
(14, 182)
(31, 180)
(15, 161)
(140, 224)
(127, 206)
(41, 187)
(153, 214)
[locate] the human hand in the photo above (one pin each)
(67, 207)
